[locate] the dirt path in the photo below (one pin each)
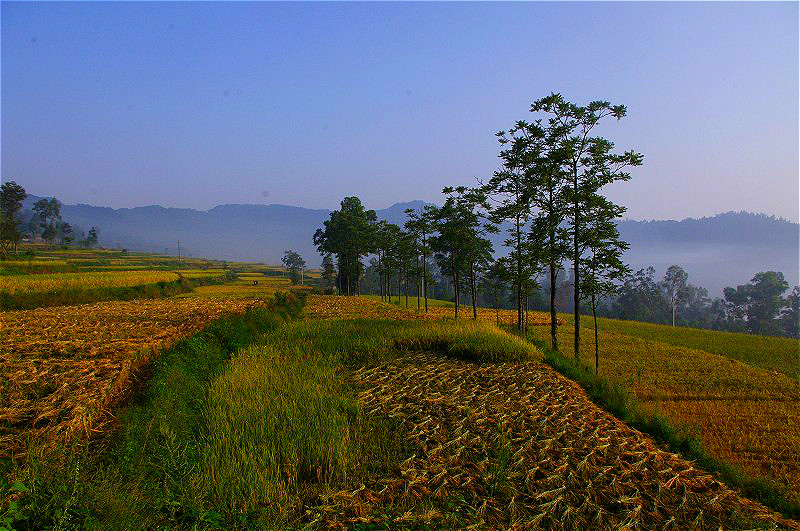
(518, 445)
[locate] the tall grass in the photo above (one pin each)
(276, 422)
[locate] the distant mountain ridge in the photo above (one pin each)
(717, 251)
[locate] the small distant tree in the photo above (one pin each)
(348, 234)
(295, 264)
(790, 316)
(91, 238)
(49, 213)
(675, 287)
(420, 224)
(759, 302)
(460, 246)
(66, 233)
(328, 273)
(493, 283)
(11, 197)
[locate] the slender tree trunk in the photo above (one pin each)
(520, 316)
(553, 270)
(496, 307)
(527, 301)
(576, 258)
(425, 280)
(596, 346)
(553, 309)
(673, 313)
(455, 288)
(399, 285)
(419, 286)
(474, 292)
(405, 278)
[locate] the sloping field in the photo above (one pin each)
(745, 415)
(516, 445)
(780, 354)
(60, 368)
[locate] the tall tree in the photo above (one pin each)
(588, 164)
(460, 244)
(603, 268)
(328, 273)
(49, 213)
(349, 234)
(295, 264)
(675, 287)
(511, 191)
(11, 197)
(420, 223)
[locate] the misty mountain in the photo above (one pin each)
(723, 250)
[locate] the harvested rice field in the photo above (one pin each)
(61, 368)
(519, 446)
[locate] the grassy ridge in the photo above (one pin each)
(281, 427)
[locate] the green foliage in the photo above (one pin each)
(759, 302)
(348, 234)
(11, 197)
(295, 264)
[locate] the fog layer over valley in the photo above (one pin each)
(719, 251)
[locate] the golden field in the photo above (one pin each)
(19, 284)
(552, 458)
(61, 368)
(745, 415)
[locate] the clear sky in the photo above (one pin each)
(199, 104)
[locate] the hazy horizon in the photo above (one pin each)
(191, 105)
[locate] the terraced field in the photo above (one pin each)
(517, 445)
(61, 368)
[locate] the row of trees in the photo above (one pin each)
(757, 307)
(547, 192)
(44, 220)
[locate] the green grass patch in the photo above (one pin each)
(363, 341)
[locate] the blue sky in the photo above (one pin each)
(198, 104)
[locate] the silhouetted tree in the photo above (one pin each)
(328, 274)
(588, 164)
(349, 235)
(675, 287)
(295, 264)
(49, 213)
(759, 302)
(11, 197)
